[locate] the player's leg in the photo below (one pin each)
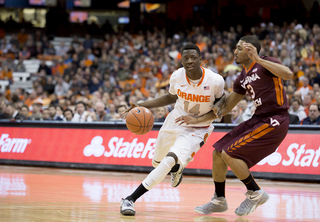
(247, 150)
(185, 147)
(154, 177)
(218, 202)
(176, 171)
(162, 164)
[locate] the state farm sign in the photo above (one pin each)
(298, 153)
(120, 148)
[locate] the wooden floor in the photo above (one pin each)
(47, 194)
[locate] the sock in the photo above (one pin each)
(175, 168)
(220, 188)
(137, 193)
(159, 173)
(250, 183)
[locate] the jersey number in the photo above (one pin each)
(249, 87)
(195, 110)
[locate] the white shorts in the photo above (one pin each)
(183, 141)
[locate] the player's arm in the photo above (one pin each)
(232, 100)
(153, 103)
(164, 100)
(276, 69)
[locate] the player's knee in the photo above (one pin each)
(216, 155)
(174, 156)
(225, 156)
(169, 161)
(155, 163)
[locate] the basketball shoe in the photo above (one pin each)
(176, 177)
(253, 200)
(126, 207)
(217, 204)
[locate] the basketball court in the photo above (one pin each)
(52, 194)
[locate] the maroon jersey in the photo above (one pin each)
(265, 89)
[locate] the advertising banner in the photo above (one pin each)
(297, 154)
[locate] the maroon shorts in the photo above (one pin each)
(256, 138)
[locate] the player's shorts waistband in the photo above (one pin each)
(265, 115)
(200, 127)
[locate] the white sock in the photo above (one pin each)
(159, 173)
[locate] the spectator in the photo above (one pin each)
(49, 50)
(160, 114)
(81, 115)
(6, 74)
(101, 114)
(20, 66)
(306, 103)
(59, 112)
(294, 119)
(36, 111)
(297, 109)
(53, 113)
(13, 113)
(314, 75)
(24, 54)
(22, 37)
(304, 89)
(24, 110)
(61, 88)
(236, 117)
(31, 98)
(94, 84)
(120, 113)
(112, 111)
(43, 66)
(231, 77)
(245, 110)
(87, 43)
(62, 49)
(314, 116)
(46, 114)
(68, 115)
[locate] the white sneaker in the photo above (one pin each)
(176, 177)
(126, 207)
(217, 204)
(253, 200)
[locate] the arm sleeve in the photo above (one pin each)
(271, 59)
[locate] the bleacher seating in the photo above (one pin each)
(3, 84)
(20, 76)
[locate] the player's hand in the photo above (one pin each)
(132, 106)
(251, 51)
(216, 110)
(186, 120)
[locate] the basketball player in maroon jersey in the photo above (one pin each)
(254, 139)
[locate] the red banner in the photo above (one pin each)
(298, 153)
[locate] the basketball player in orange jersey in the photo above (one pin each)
(251, 141)
(193, 89)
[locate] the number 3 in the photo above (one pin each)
(250, 88)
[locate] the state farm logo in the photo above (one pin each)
(13, 145)
(119, 148)
(296, 155)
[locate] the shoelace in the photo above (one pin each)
(129, 203)
(207, 205)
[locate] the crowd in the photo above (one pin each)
(96, 80)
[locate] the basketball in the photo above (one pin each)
(139, 120)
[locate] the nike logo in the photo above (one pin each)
(138, 111)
